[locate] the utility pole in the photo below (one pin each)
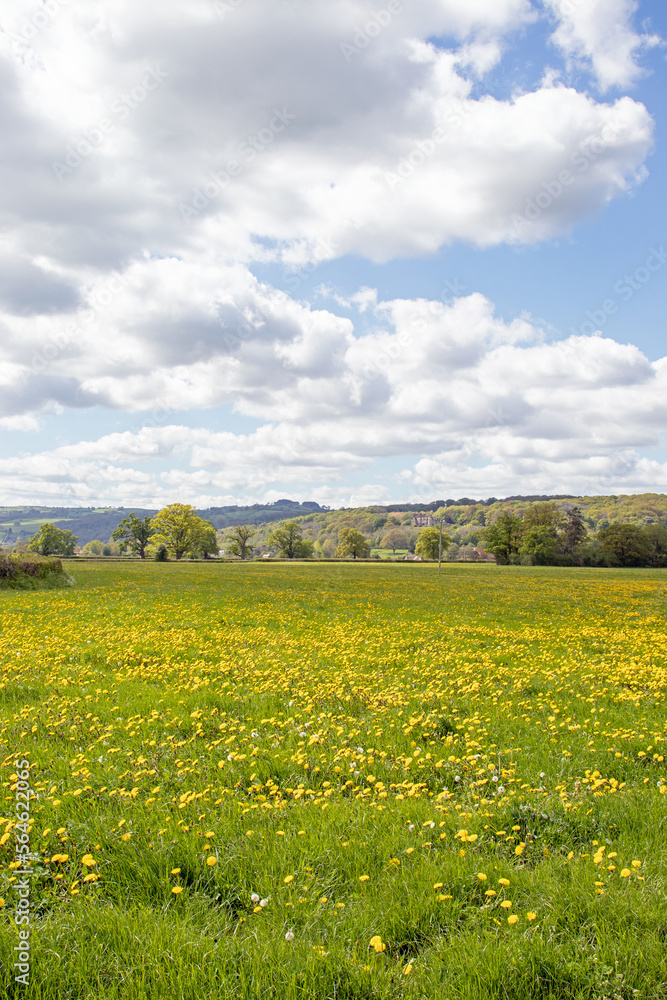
(440, 548)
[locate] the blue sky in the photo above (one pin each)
(299, 251)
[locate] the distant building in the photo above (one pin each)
(427, 520)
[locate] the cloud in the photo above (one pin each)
(600, 34)
(449, 392)
(149, 161)
(123, 136)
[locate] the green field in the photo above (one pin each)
(338, 781)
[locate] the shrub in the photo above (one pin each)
(32, 573)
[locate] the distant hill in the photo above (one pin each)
(464, 518)
(90, 523)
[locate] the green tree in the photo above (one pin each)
(352, 543)
(575, 533)
(180, 529)
(134, 533)
(53, 541)
(540, 544)
(204, 541)
(238, 541)
(289, 542)
(503, 538)
(625, 545)
(394, 539)
(544, 515)
(93, 548)
(428, 543)
(656, 536)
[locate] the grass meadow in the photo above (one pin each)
(337, 781)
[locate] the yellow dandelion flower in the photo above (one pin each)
(211, 861)
(503, 881)
(531, 916)
(506, 904)
(364, 878)
(408, 969)
(513, 919)
(626, 873)
(176, 889)
(288, 879)
(490, 892)
(88, 860)
(481, 876)
(377, 943)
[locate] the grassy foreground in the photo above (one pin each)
(338, 781)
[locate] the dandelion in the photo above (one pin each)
(626, 873)
(263, 903)
(377, 943)
(289, 936)
(531, 916)
(175, 871)
(408, 969)
(88, 860)
(503, 881)
(481, 876)
(254, 898)
(211, 861)
(636, 864)
(288, 879)
(176, 889)
(506, 904)
(513, 919)
(364, 878)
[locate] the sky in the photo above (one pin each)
(351, 251)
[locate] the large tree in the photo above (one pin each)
(541, 544)
(180, 529)
(575, 530)
(289, 541)
(394, 539)
(134, 533)
(503, 537)
(625, 545)
(352, 543)
(238, 541)
(656, 537)
(53, 541)
(428, 543)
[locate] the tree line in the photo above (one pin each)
(544, 535)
